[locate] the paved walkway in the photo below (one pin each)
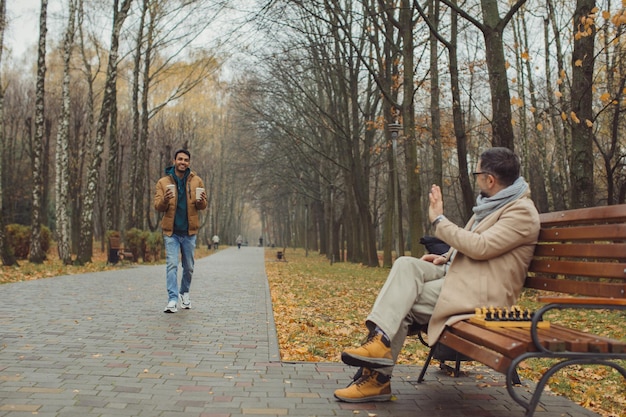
(100, 345)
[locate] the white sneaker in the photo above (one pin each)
(171, 307)
(185, 301)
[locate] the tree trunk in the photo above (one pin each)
(557, 165)
(62, 153)
(535, 152)
(582, 111)
(501, 122)
(8, 259)
(414, 188)
(435, 114)
(458, 121)
(134, 202)
(85, 247)
(36, 254)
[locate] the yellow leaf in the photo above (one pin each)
(558, 94)
(589, 123)
(533, 109)
(578, 63)
(606, 14)
(539, 127)
(574, 118)
(563, 116)
(605, 97)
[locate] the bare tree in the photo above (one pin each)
(85, 246)
(492, 28)
(36, 254)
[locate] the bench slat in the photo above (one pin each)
(479, 353)
(508, 346)
(579, 268)
(614, 346)
(582, 250)
(605, 214)
(579, 342)
(595, 232)
(584, 301)
(547, 341)
(591, 289)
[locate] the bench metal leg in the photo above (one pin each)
(531, 405)
(431, 352)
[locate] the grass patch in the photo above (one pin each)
(320, 309)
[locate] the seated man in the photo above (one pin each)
(486, 265)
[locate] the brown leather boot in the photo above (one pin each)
(367, 386)
(375, 353)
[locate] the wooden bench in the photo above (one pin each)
(580, 263)
(116, 250)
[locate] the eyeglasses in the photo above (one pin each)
(481, 172)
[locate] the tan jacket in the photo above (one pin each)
(169, 207)
(490, 266)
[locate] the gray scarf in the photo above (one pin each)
(487, 205)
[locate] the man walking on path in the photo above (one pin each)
(486, 265)
(176, 197)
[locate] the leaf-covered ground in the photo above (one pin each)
(319, 310)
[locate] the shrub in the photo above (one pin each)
(18, 238)
(135, 242)
(154, 246)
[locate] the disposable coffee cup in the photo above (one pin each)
(199, 192)
(172, 187)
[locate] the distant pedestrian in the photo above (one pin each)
(239, 241)
(216, 241)
(176, 196)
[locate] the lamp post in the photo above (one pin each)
(306, 230)
(394, 129)
(330, 223)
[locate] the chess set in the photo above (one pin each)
(506, 317)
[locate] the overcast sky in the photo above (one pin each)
(22, 29)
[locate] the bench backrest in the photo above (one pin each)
(581, 252)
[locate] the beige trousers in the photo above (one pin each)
(408, 296)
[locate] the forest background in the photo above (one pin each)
(318, 124)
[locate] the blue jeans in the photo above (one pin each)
(185, 246)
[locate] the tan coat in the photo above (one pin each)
(490, 266)
(169, 207)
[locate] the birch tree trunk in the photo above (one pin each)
(36, 254)
(62, 153)
(85, 246)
